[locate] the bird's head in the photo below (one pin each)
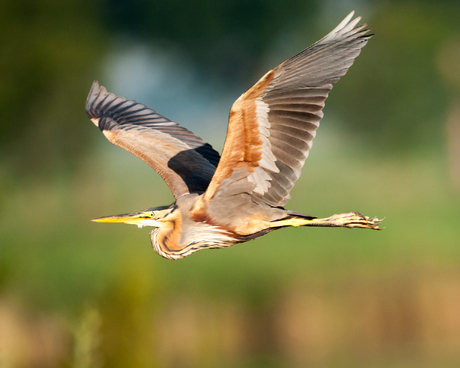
(156, 217)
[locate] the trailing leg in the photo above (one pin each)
(349, 219)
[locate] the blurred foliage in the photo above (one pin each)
(48, 55)
(224, 38)
(53, 50)
(401, 106)
(293, 298)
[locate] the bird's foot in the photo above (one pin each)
(350, 220)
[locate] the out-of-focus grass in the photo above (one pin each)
(55, 261)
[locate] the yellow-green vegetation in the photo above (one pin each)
(297, 296)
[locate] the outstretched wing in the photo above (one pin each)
(184, 161)
(272, 125)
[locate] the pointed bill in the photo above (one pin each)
(143, 218)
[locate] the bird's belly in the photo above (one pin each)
(251, 226)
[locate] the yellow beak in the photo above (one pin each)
(144, 218)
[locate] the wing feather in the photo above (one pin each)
(272, 125)
(183, 160)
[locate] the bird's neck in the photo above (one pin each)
(172, 244)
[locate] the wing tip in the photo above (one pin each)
(93, 91)
(95, 97)
(345, 26)
(95, 85)
(92, 95)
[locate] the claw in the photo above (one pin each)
(355, 219)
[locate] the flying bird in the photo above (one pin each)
(239, 196)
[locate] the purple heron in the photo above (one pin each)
(239, 196)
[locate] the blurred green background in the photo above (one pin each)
(79, 294)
